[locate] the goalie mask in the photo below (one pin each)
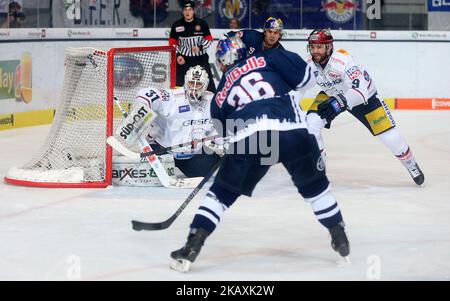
(196, 81)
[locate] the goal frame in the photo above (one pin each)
(109, 119)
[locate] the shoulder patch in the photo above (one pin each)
(343, 51)
(353, 72)
(185, 108)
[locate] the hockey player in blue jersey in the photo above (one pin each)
(255, 89)
(256, 41)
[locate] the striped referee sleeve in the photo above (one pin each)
(207, 42)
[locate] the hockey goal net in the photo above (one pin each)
(75, 153)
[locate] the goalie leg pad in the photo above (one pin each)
(129, 172)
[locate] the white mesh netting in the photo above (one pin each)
(75, 149)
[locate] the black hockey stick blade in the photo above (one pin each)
(138, 226)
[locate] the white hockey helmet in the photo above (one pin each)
(196, 82)
(230, 50)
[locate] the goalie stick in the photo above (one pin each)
(138, 226)
(118, 146)
(163, 177)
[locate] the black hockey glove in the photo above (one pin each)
(329, 109)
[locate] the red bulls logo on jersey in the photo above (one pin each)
(251, 64)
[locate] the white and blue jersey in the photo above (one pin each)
(257, 90)
(177, 121)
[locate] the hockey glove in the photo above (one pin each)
(329, 109)
(217, 146)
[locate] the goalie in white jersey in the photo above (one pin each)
(347, 85)
(183, 115)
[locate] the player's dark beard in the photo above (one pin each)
(323, 59)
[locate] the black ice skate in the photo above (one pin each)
(416, 174)
(184, 257)
(339, 241)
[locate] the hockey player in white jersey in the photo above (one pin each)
(183, 115)
(347, 85)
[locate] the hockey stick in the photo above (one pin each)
(163, 177)
(118, 146)
(138, 226)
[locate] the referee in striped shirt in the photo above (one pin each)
(191, 37)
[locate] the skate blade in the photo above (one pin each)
(347, 259)
(180, 265)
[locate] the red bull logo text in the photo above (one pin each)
(251, 64)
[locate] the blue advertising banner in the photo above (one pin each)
(288, 11)
(438, 5)
(229, 9)
(296, 14)
(333, 14)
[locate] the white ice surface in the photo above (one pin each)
(397, 231)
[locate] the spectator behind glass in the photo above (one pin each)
(15, 17)
(234, 24)
(146, 10)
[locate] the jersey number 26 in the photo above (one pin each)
(252, 87)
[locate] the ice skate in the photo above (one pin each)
(184, 257)
(416, 174)
(339, 241)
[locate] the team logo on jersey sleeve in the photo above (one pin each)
(353, 72)
(165, 96)
(320, 165)
(339, 11)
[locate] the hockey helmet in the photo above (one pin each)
(274, 23)
(196, 82)
(230, 50)
(320, 36)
